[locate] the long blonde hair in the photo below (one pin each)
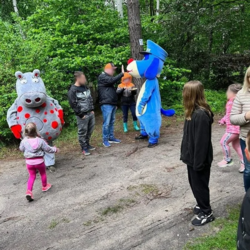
(194, 97)
(246, 84)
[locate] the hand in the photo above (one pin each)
(247, 115)
(17, 131)
(83, 117)
(58, 150)
(92, 112)
(123, 69)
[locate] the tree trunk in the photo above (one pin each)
(15, 7)
(157, 7)
(135, 33)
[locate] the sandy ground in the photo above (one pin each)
(121, 198)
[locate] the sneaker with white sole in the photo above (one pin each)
(202, 219)
(86, 152)
(91, 147)
(114, 140)
(106, 144)
(48, 186)
(224, 163)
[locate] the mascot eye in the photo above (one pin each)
(35, 80)
(23, 80)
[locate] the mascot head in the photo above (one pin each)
(152, 64)
(30, 89)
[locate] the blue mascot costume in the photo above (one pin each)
(148, 107)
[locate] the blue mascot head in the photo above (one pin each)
(151, 66)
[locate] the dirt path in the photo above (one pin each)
(122, 198)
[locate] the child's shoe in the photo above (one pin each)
(29, 196)
(106, 144)
(125, 127)
(135, 126)
(91, 147)
(114, 140)
(224, 163)
(242, 167)
(202, 218)
(48, 186)
(86, 152)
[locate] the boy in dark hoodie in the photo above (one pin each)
(81, 102)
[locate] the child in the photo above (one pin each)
(34, 148)
(197, 150)
(128, 91)
(232, 131)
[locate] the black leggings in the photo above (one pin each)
(199, 183)
(125, 109)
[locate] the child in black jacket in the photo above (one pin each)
(196, 148)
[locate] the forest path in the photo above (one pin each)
(121, 198)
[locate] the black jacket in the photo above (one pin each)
(80, 100)
(127, 96)
(106, 90)
(196, 147)
(243, 235)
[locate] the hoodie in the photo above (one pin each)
(34, 148)
(124, 91)
(80, 100)
(196, 147)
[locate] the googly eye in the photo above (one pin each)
(35, 80)
(23, 81)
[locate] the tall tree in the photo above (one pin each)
(119, 7)
(135, 33)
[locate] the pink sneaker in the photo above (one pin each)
(224, 163)
(29, 196)
(45, 189)
(242, 167)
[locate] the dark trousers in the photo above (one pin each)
(246, 175)
(85, 129)
(125, 109)
(199, 183)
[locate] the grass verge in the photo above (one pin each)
(223, 236)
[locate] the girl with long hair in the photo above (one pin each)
(196, 149)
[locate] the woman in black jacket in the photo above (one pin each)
(196, 148)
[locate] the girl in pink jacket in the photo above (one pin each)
(232, 131)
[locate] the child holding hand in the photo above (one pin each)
(232, 131)
(34, 147)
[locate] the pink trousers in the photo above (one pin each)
(32, 172)
(235, 141)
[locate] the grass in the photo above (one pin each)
(53, 224)
(225, 236)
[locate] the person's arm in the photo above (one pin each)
(149, 89)
(45, 147)
(202, 139)
(73, 103)
(119, 90)
(109, 81)
(21, 147)
(236, 115)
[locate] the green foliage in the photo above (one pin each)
(224, 239)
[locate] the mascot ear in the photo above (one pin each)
(152, 71)
(19, 75)
(36, 73)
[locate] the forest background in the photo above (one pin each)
(206, 40)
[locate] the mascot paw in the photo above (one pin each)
(168, 112)
(17, 131)
(60, 115)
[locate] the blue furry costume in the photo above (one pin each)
(148, 107)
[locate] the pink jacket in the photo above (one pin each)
(226, 119)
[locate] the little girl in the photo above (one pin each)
(197, 150)
(127, 91)
(232, 131)
(34, 148)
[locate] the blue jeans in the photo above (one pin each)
(125, 109)
(108, 114)
(246, 175)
